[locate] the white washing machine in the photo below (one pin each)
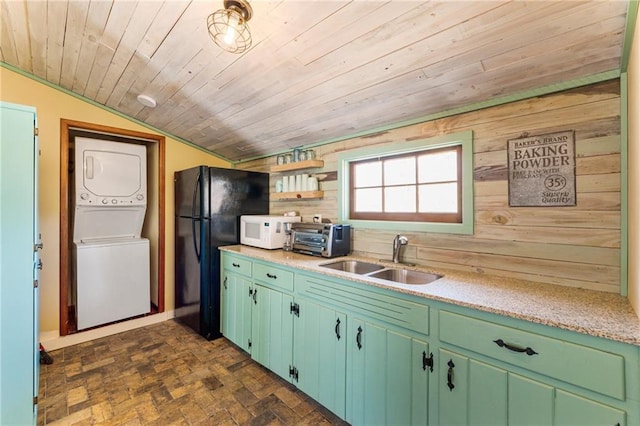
(112, 270)
(112, 280)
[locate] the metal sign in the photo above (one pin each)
(542, 170)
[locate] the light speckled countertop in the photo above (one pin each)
(590, 312)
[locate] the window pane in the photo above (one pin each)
(368, 200)
(439, 198)
(400, 171)
(400, 199)
(438, 167)
(368, 174)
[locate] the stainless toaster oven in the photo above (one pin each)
(321, 239)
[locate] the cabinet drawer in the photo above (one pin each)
(392, 310)
(583, 366)
(272, 276)
(237, 265)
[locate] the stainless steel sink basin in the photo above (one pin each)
(353, 266)
(405, 276)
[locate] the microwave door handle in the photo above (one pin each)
(195, 218)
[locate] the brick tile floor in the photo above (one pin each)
(166, 374)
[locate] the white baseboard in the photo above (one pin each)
(51, 340)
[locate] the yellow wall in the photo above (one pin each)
(634, 172)
(52, 105)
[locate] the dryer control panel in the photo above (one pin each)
(110, 173)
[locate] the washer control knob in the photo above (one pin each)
(84, 196)
(105, 201)
(114, 201)
(139, 197)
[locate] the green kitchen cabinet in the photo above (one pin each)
(388, 375)
(319, 353)
(19, 265)
(236, 300)
(575, 410)
(472, 392)
(476, 393)
(511, 389)
(272, 330)
(256, 315)
(377, 356)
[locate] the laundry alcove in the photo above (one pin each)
(153, 228)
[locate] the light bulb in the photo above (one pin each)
(232, 26)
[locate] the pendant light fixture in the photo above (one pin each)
(228, 27)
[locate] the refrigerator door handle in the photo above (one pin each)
(195, 218)
(193, 236)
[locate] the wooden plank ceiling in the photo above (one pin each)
(317, 69)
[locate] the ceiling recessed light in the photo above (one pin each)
(147, 101)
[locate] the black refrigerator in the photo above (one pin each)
(208, 205)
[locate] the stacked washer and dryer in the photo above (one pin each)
(112, 273)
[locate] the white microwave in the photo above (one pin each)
(266, 232)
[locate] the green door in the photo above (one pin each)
(530, 402)
(236, 302)
(388, 380)
(272, 330)
(574, 410)
(319, 354)
(487, 394)
(453, 388)
(19, 265)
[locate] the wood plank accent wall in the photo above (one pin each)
(570, 246)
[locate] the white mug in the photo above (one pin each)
(312, 183)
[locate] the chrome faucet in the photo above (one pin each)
(398, 241)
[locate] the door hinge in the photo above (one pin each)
(249, 343)
(35, 283)
(294, 309)
(427, 361)
(35, 400)
(293, 372)
(36, 132)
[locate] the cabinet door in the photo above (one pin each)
(272, 330)
(19, 265)
(530, 402)
(471, 392)
(236, 301)
(386, 380)
(453, 388)
(574, 410)
(319, 354)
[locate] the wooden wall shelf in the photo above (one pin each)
(298, 165)
(297, 195)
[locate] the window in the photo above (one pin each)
(424, 185)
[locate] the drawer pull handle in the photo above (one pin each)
(272, 276)
(235, 265)
(427, 361)
(450, 384)
(359, 338)
(514, 348)
(338, 328)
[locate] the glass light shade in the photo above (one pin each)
(229, 30)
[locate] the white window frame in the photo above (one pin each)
(463, 139)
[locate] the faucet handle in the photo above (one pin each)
(402, 240)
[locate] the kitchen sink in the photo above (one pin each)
(353, 266)
(405, 276)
